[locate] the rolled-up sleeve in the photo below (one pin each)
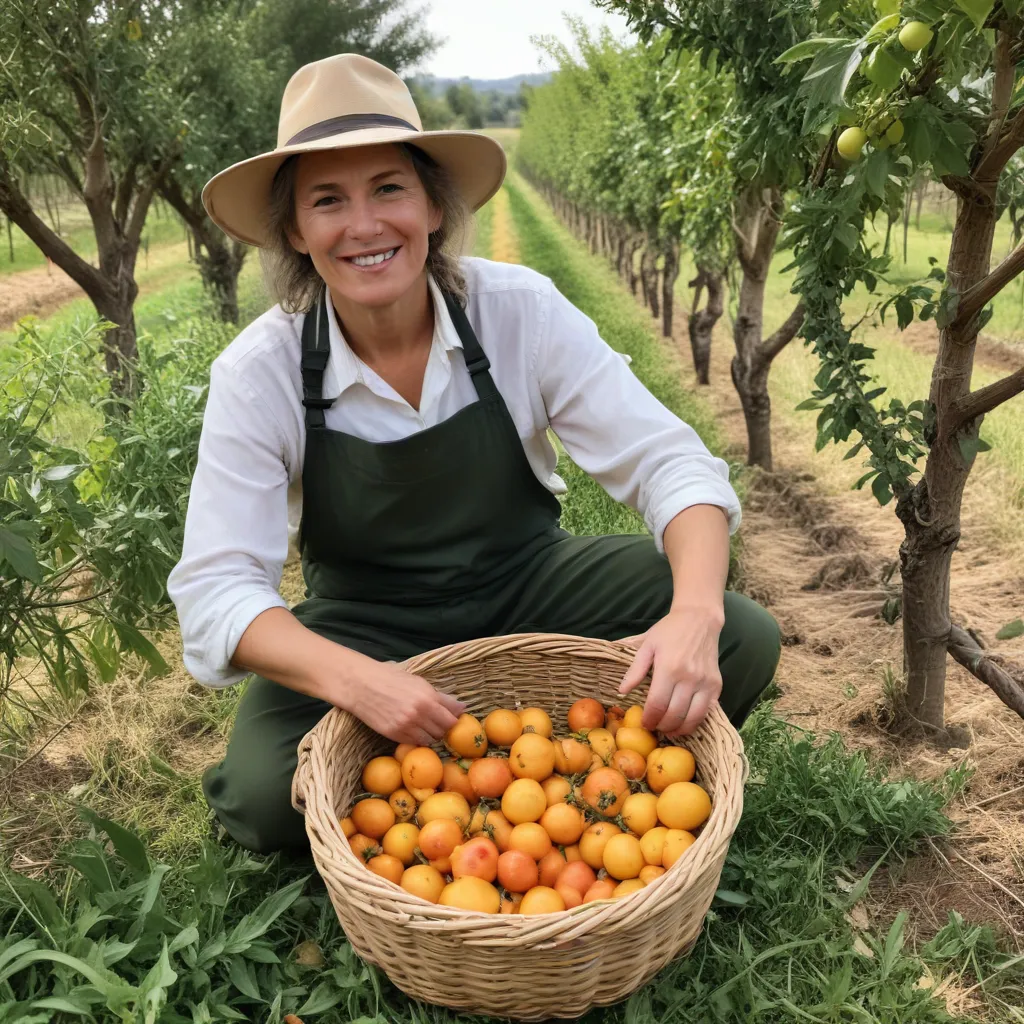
(615, 430)
(236, 529)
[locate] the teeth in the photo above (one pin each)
(369, 261)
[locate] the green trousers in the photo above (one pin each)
(606, 587)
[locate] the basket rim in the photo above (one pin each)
(475, 927)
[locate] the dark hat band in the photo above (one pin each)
(347, 123)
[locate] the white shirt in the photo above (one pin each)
(553, 371)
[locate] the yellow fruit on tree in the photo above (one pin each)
(915, 35)
(851, 143)
(894, 133)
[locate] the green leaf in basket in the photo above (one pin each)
(737, 899)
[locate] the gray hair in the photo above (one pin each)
(289, 275)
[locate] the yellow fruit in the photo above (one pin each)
(666, 765)
(420, 793)
(538, 720)
(677, 842)
(401, 750)
(630, 763)
(605, 789)
(424, 881)
(444, 805)
(602, 743)
(466, 737)
(363, 846)
(439, 837)
(510, 904)
(649, 872)
(422, 769)
(626, 887)
(496, 827)
(471, 893)
(530, 838)
(915, 35)
(851, 143)
(594, 840)
(532, 757)
(382, 776)
(456, 778)
(572, 756)
(564, 823)
(373, 817)
(524, 800)
(403, 803)
(653, 843)
(503, 727)
(894, 133)
(640, 740)
(556, 789)
(683, 805)
(640, 812)
(387, 867)
(401, 841)
(633, 717)
(348, 827)
(623, 857)
(541, 900)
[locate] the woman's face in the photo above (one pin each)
(364, 218)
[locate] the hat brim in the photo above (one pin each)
(237, 199)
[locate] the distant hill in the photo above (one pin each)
(501, 85)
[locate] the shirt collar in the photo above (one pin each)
(344, 368)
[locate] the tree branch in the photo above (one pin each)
(995, 159)
(1002, 90)
(123, 193)
(775, 343)
(978, 296)
(973, 658)
(984, 400)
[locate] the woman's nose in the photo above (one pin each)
(363, 219)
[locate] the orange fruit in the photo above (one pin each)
(563, 823)
(422, 769)
(572, 756)
(605, 789)
(348, 827)
(424, 881)
(420, 793)
(622, 857)
(541, 900)
(613, 719)
(570, 897)
(517, 871)
(373, 817)
(466, 737)
(640, 812)
(455, 779)
(401, 750)
(551, 866)
(532, 757)
(477, 857)
(652, 844)
(602, 889)
(524, 800)
(444, 805)
(496, 827)
(572, 853)
(586, 713)
(471, 893)
(602, 743)
(510, 903)
(442, 864)
(403, 803)
(633, 717)
(666, 765)
(556, 789)
(538, 720)
(629, 762)
(682, 805)
(649, 872)
(439, 837)
(640, 740)
(400, 841)
(363, 846)
(594, 840)
(382, 776)
(531, 838)
(503, 727)
(387, 867)
(578, 875)
(490, 776)
(627, 886)
(677, 842)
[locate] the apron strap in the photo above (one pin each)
(316, 350)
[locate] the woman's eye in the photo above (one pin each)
(324, 200)
(390, 188)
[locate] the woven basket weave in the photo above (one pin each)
(523, 967)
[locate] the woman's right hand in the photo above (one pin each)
(402, 706)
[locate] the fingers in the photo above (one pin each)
(452, 703)
(683, 697)
(638, 670)
(659, 698)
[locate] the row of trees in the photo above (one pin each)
(127, 99)
(719, 133)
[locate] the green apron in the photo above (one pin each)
(443, 536)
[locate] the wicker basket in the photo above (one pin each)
(533, 967)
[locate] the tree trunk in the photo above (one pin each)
(920, 201)
(620, 252)
(634, 243)
(931, 512)
(649, 275)
(668, 283)
(702, 321)
(750, 372)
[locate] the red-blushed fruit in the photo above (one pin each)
(577, 874)
(439, 837)
(387, 867)
(586, 713)
(517, 871)
(456, 779)
(605, 789)
(477, 857)
(602, 889)
(550, 867)
(629, 762)
(570, 897)
(489, 777)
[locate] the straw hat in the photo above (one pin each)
(342, 101)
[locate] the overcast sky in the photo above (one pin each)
(491, 38)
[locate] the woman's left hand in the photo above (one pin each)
(683, 648)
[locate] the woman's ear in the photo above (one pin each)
(436, 218)
(298, 243)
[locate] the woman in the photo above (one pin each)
(403, 396)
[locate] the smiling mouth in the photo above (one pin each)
(372, 259)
